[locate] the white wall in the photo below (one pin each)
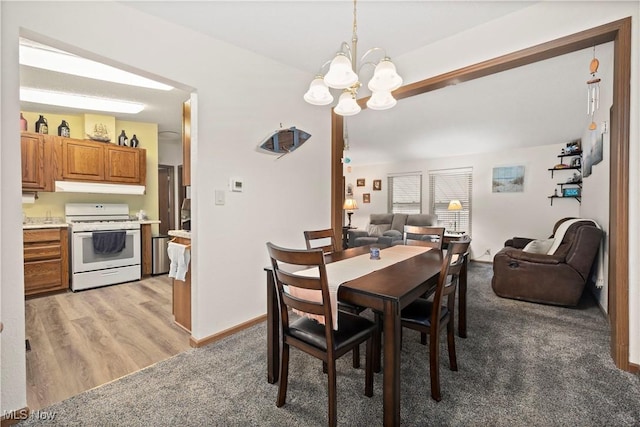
(237, 106)
(496, 217)
(537, 24)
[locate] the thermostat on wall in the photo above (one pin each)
(236, 185)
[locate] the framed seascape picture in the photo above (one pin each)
(508, 179)
(366, 198)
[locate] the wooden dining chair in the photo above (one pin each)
(431, 316)
(323, 239)
(326, 240)
(306, 334)
(423, 236)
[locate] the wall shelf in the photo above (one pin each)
(573, 189)
(578, 198)
(564, 169)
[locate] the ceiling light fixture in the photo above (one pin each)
(37, 55)
(342, 75)
(82, 102)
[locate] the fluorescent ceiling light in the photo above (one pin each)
(45, 57)
(79, 101)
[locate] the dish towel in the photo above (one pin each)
(179, 255)
(108, 242)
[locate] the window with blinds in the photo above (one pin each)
(447, 185)
(405, 193)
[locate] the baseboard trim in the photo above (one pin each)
(633, 368)
(196, 343)
(14, 417)
(481, 261)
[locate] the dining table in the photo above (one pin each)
(386, 290)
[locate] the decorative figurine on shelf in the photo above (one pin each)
(42, 126)
(134, 141)
(555, 192)
(23, 123)
(122, 139)
(63, 129)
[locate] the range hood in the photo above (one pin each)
(95, 187)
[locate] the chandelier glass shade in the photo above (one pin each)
(342, 75)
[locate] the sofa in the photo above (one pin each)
(385, 229)
(549, 271)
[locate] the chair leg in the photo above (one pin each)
(368, 368)
(356, 357)
(423, 338)
(451, 344)
(284, 373)
(324, 367)
(333, 395)
(434, 361)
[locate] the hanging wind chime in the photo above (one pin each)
(593, 90)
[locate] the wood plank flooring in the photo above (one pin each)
(84, 339)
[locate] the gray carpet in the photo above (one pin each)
(522, 364)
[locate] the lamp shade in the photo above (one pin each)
(340, 75)
(381, 101)
(347, 105)
(318, 93)
(455, 205)
(350, 205)
(385, 77)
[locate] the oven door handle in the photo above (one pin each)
(90, 233)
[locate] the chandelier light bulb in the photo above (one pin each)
(385, 77)
(381, 100)
(341, 74)
(318, 93)
(347, 105)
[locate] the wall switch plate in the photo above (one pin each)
(219, 195)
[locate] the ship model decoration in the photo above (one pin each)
(100, 133)
(284, 141)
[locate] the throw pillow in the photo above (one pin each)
(538, 246)
(376, 230)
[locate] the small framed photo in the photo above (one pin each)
(571, 192)
(360, 182)
(377, 184)
(366, 198)
(576, 162)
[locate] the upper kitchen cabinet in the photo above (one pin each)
(35, 155)
(186, 143)
(81, 160)
(125, 165)
(84, 160)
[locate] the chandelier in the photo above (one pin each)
(342, 75)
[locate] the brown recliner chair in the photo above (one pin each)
(557, 279)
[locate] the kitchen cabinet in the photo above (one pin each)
(182, 293)
(46, 260)
(145, 235)
(84, 160)
(36, 158)
(186, 143)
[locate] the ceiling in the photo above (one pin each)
(542, 103)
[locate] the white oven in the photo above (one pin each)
(92, 267)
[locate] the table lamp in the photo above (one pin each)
(350, 205)
(455, 205)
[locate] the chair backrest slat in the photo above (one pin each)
(423, 236)
(449, 275)
(313, 236)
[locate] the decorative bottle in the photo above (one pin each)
(134, 141)
(42, 126)
(122, 139)
(23, 123)
(63, 129)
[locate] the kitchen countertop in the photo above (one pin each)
(149, 221)
(180, 233)
(42, 222)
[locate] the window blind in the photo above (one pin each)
(451, 184)
(405, 193)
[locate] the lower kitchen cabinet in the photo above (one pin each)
(46, 260)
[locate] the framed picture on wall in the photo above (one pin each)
(360, 182)
(366, 198)
(509, 179)
(377, 184)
